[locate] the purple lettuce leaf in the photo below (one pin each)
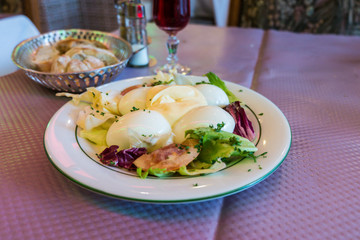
(128, 156)
(109, 156)
(124, 158)
(243, 126)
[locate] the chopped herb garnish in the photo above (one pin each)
(102, 113)
(260, 167)
(195, 184)
(161, 82)
(240, 90)
(249, 170)
(134, 109)
(263, 155)
(219, 127)
(202, 82)
(233, 141)
(198, 147)
(260, 114)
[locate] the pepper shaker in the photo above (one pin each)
(136, 33)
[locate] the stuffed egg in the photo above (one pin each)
(203, 116)
(141, 128)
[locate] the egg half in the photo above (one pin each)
(174, 101)
(141, 128)
(135, 98)
(213, 95)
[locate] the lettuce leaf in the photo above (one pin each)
(243, 126)
(215, 144)
(217, 166)
(215, 80)
(161, 173)
(96, 135)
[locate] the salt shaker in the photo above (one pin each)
(136, 33)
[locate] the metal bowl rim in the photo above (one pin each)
(72, 73)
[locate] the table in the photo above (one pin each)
(315, 81)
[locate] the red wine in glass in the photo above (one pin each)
(172, 16)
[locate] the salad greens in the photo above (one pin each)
(96, 135)
(214, 145)
(216, 148)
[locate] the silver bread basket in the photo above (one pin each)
(72, 82)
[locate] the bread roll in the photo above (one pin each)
(44, 57)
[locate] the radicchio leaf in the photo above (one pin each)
(109, 157)
(243, 126)
(128, 156)
(124, 158)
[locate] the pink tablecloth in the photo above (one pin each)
(313, 195)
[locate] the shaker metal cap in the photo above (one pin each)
(135, 10)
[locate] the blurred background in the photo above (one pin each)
(313, 16)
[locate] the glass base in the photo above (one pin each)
(167, 68)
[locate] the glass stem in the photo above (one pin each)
(172, 45)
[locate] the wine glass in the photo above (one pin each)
(172, 16)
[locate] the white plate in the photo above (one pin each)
(75, 158)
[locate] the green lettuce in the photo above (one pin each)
(217, 166)
(155, 172)
(215, 144)
(97, 135)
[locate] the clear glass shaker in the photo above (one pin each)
(136, 33)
